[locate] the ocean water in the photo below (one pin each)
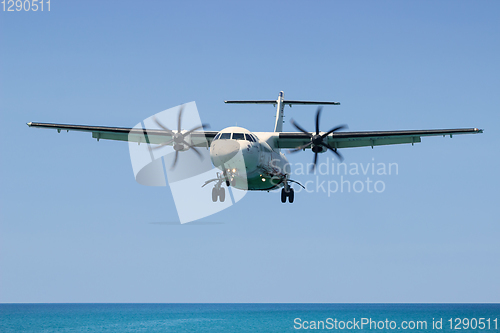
(249, 317)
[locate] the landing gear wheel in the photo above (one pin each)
(222, 194)
(215, 194)
(291, 196)
(219, 193)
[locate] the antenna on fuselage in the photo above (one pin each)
(281, 102)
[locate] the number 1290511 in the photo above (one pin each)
(26, 5)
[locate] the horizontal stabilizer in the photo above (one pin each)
(310, 103)
(250, 102)
(285, 102)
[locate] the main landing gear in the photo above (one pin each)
(287, 194)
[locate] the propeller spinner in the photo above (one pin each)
(317, 140)
(178, 138)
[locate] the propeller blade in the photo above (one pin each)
(317, 140)
(175, 159)
(161, 145)
(315, 162)
(300, 148)
(179, 129)
(297, 126)
(317, 120)
(196, 151)
(196, 128)
(161, 125)
(193, 148)
(179, 120)
(341, 158)
(334, 130)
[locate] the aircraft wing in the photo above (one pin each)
(368, 138)
(153, 136)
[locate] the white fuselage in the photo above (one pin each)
(248, 161)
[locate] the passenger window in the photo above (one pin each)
(225, 136)
(238, 136)
(249, 138)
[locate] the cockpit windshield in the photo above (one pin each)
(238, 136)
(249, 137)
(235, 136)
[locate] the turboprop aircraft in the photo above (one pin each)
(266, 166)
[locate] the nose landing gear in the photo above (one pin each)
(218, 192)
(287, 190)
(287, 194)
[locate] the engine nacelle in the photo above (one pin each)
(318, 149)
(180, 141)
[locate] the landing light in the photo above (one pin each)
(263, 179)
(234, 170)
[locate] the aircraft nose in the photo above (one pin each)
(223, 151)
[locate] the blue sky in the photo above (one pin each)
(76, 227)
